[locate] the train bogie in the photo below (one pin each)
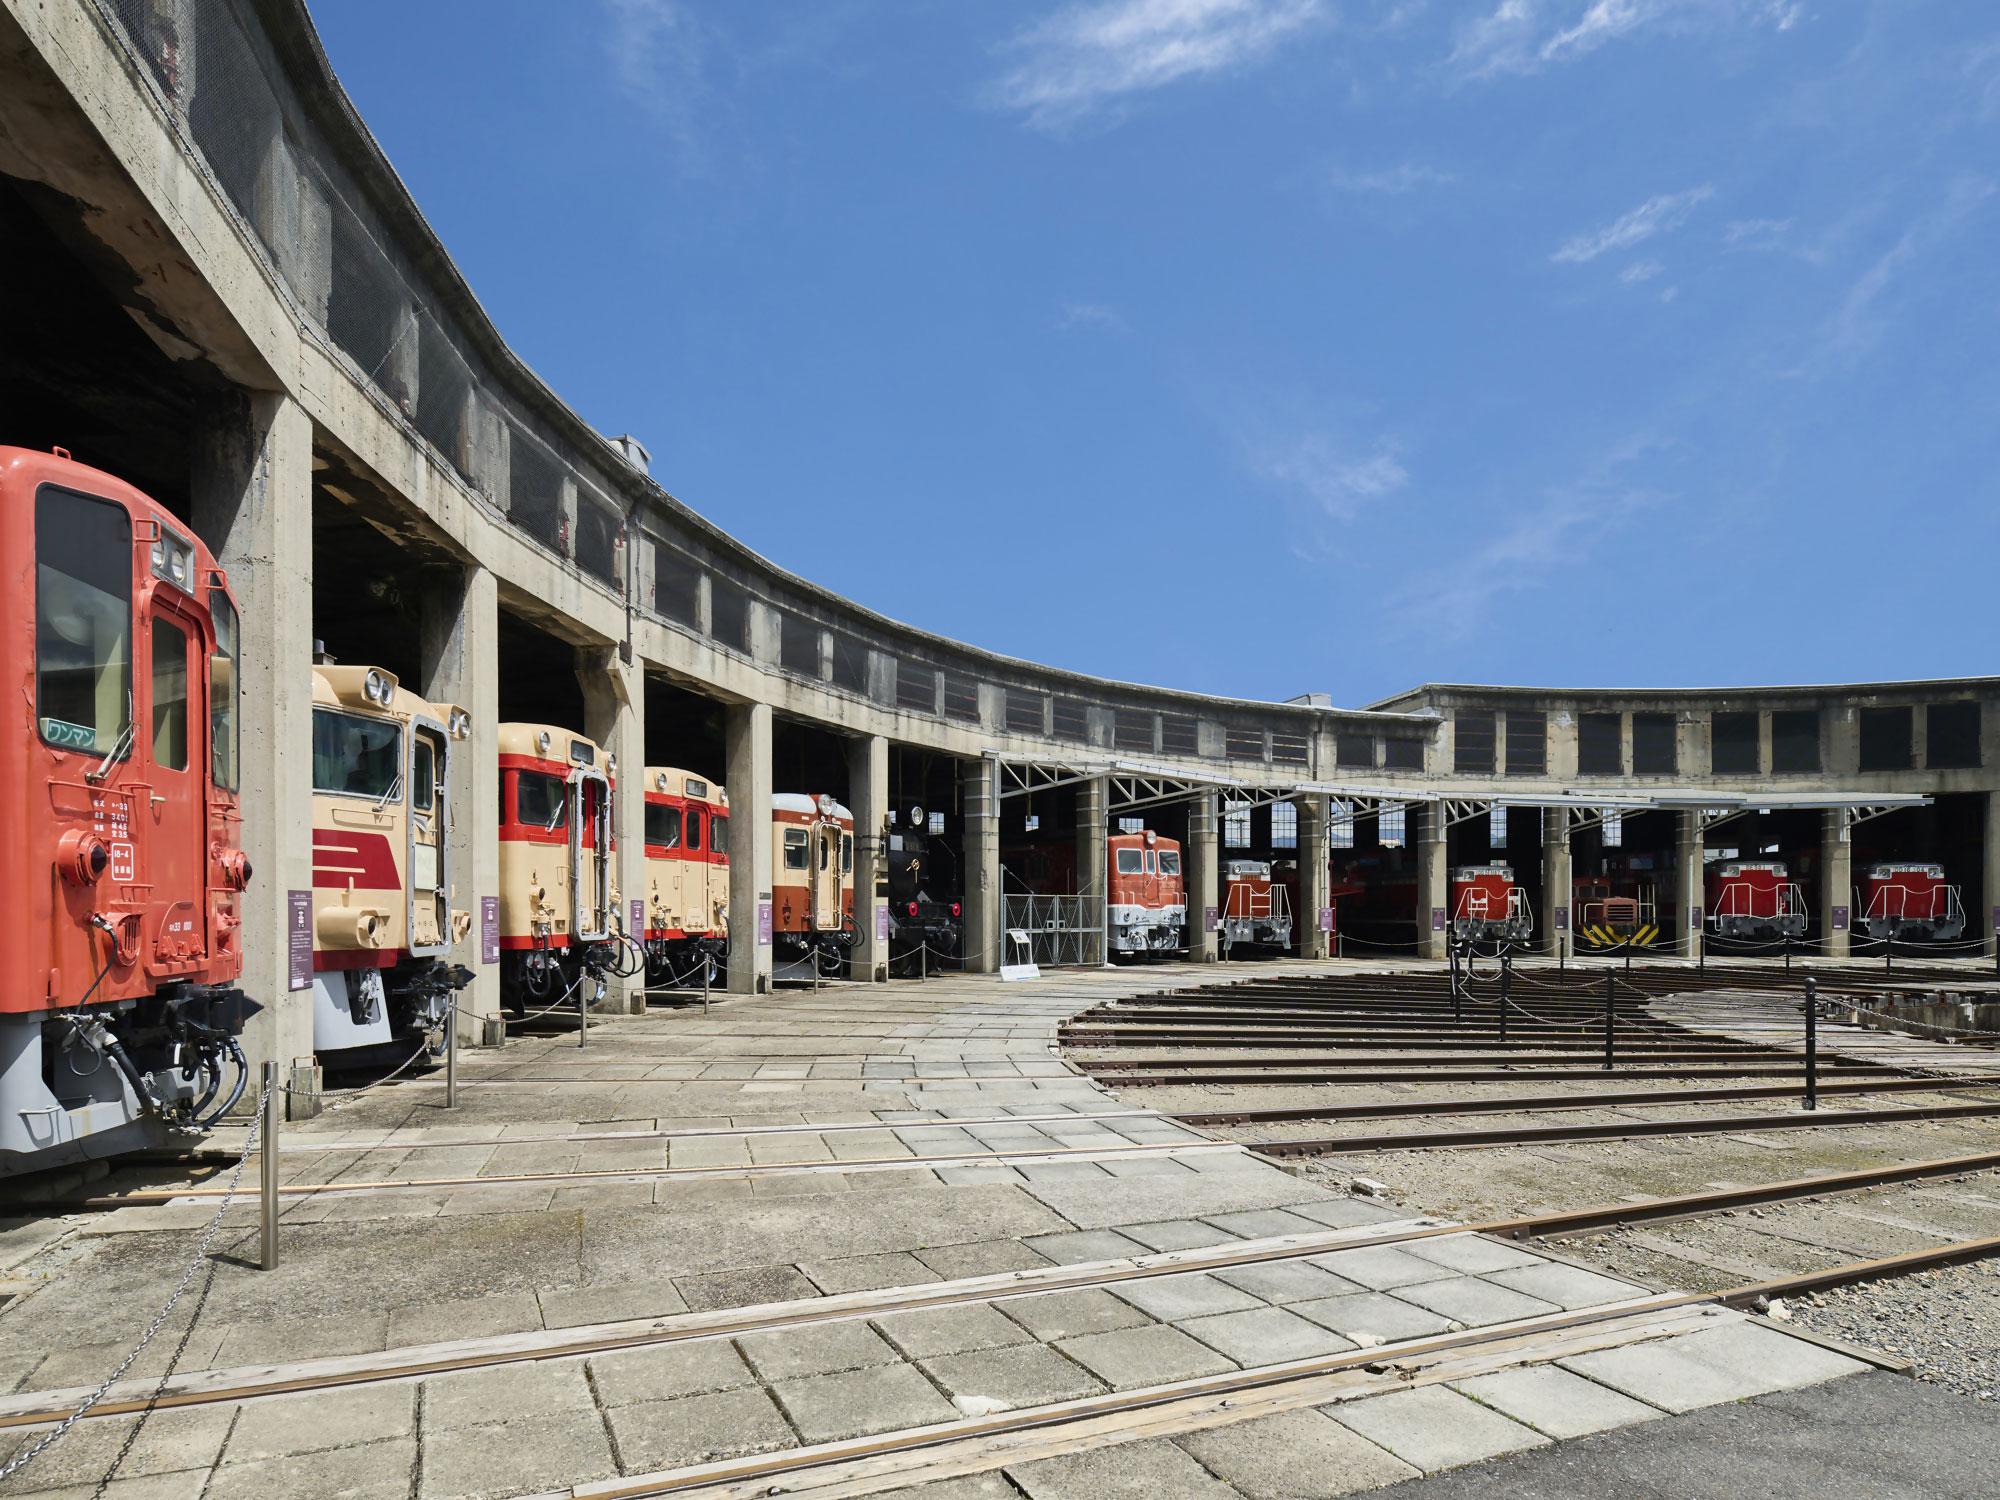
(383, 920)
(119, 1014)
(812, 881)
(1910, 903)
(1754, 899)
(1256, 911)
(1488, 906)
(1146, 897)
(687, 875)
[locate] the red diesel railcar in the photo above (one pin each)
(1754, 899)
(1487, 906)
(1910, 903)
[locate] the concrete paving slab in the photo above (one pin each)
(994, 1486)
(574, 1307)
(1347, 1213)
(506, 1393)
(1371, 1317)
(1145, 1166)
(1025, 1375)
(1297, 1455)
(1472, 1254)
(1138, 1200)
(308, 1423)
(497, 1200)
(372, 1471)
(979, 1258)
(1264, 1335)
(1178, 1234)
(1060, 1315)
(1193, 1294)
(744, 1288)
(857, 1402)
(699, 1429)
(668, 1371)
(864, 1273)
(549, 1451)
(274, 1340)
(1288, 1281)
(1776, 1359)
(1380, 1268)
(1474, 1301)
(1665, 1374)
(929, 1332)
(168, 1442)
(1151, 1469)
(1061, 1171)
(1081, 1247)
(1566, 1286)
(701, 1192)
(1555, 1402)
(1144, 1356)
(1266, 1223)
(1434, 1428)
(816, 1349)
(463, 1318)
(978, 1176)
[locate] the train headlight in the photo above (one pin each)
(661, 781)
(173, 559)
(460, 724)
(542, 742)
(610, 765)
(375, 687)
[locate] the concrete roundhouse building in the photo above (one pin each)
(238, 308)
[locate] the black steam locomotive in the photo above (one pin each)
(925, 906)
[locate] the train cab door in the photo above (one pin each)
(430, 879)
(589, 855)
(825, 858)
(693, 854)
(172, 807)
(665, 832)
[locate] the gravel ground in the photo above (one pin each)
(1947, 1322)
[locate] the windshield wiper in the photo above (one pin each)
(117, 752)
(395, 789)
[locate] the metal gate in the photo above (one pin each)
(1063, 931)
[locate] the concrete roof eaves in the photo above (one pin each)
(1780, 689)
(290, 27)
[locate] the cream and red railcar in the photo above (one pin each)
(1146, 895)
(1487, 906)
(1910, 903)
(1754, 899)
(687, 874)
(119, 1014)
(384, 924)
(1256, 910)
(560, 927)
(812, 881)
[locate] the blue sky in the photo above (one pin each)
(1269, 346)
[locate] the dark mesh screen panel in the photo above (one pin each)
(1071, 720)
(1472, 742)
(1133, 731)
(1024, 712)
(850, 663)
(1355, 751)
(1402, 755)
(1732, 741)
(1653, 752)
(728, 614)
(535, 492)
(1289, 749)
(916, 687)
(1886, 739)
(1600, 748)
(599, 530)
(1245, 744)
(1951, 736)
(798, 645)
(1795, 741)
(961, 697)
(1179, 735)
(676, 585)
(1527, 742)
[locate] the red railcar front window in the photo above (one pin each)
(83, 621)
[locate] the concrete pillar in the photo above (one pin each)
(1558, 931)
(747, 738)
(1092, 798)
(1836, 882)
(1433, 879)
(980, 804)
(1203, 877)
(868, 796)
(459, 645)
(251, 488)
(1990, 886)
(614, 714)
(1688, 858)
(1314, 883)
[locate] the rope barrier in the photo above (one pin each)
(200, 1258)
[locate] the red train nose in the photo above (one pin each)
(82, 857)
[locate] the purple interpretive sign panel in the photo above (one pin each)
(489, 929)
(299, 940)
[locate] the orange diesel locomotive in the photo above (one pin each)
(1487, 906)
(812, 880)
(1147, 903)
(559, 920)
(119, 1017)
(687, 874)
(383, 922)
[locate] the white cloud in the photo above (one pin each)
(1088, 55)
(1395, 181)
(1329, 474)
(1640, 270)
(1524, 36)
(1090, 315)
(656, 49)
(1856, 324)
(1659, 215)
(1756, 234)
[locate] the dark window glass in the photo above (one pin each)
(1951, 736)
(1179, 735)
(798, 645)
(850, 664)
(1133, 731)
(83, 620)
(796, 857)
(1355, 750)
(1653, 752)
(1072, 720)
(1733, 744)
(423, 774)
(1472, 742)
(718, 833)
(916, 687)
(1290, 749)
(663, 825)
(691, 830)
(354, 755)
(1886, 739)
(170, 696)
(1527, 743)
(1600, 749)
(1795, 742)
(728, 614)
(676, 585)
(541, 801)
(222, 731)
(1245, 744)
(1024, 712)
(1170, 862)
(847, 854)
(961, 698)
(1403, 755)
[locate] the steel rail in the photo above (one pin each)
(1621, 1130)
(1279, 1076)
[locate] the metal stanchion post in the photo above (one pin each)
(923, 960)
(1506, 976)
(1610, 1017)
(707, 970)
(274, 1103)
(1457, 992)
(1813, 1045)
(451, 1056)
(582, 1014)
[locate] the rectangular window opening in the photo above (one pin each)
(1653, 749)
(1284, 825)
(1600, 744)
(1732, 740)
(1527, 743)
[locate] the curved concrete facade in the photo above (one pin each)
(218, 181)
